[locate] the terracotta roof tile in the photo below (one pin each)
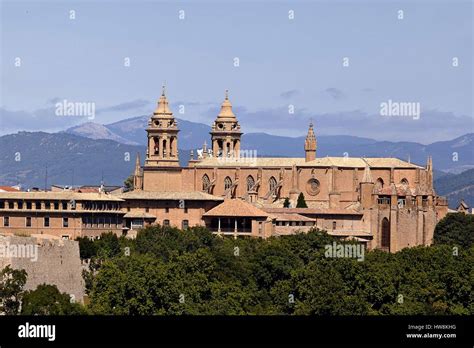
(236, 207)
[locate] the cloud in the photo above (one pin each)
(127, 106)
(289, 94)
(433, 125)
(335, 93)
(38, 120)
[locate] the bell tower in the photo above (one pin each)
(310, 144)
(225, 133)
(162, 137)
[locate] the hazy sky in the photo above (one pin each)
(282, 62)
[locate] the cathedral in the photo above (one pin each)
(385, 203)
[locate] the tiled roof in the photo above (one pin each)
(291, 217)
(170, 195)
(312, 211)
(59, 195)
(139, 214)
(351, 162)
(236, 207)
(8, 189)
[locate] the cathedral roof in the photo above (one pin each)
(171, 195)
(351, 162)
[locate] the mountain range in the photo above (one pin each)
(91, 153)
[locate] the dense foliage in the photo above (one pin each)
(44, 300)
(169, 271)
(48, 300)
(455, 229)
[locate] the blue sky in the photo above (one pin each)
(282, 62)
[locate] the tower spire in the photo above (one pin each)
(137, 175)
(225, 131)
(310, 144)
(367, 177)
(162, 136)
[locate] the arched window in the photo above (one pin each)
(165, 154)
(379, 183)
(156, 145)
(385, 234)
(205, 182)
(250, 183)
(227, 183)
(272, 183)
(404, 182)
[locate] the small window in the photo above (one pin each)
(28, 221)
(128, 208)
(38, 205)
(11, 205)
(28, 205)
(185, 210)
(56, 205)
(47, 205)
(46, 221)
(65, 236)
(401, 202)
(65, 222)
(166, 222)
(185, 224)
(227, 183)
(2, 204)
(64, 205)
(20, 204)
(147, 209)
(6, 221)
(167, 210)
(334, 225)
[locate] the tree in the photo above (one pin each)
(87, 247)
(128, 183)
(48, 300)
(12, 282)
(286, 203)
(301, 201)
(457, 228)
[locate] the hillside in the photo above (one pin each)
(457, 187)
(452, 156)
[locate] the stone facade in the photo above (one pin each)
(56, 261)
(386, 202)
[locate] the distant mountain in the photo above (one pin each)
(191, 134)
(67, 159)
(80, 155)
(97, 131)
(456, 187)
(452, 156)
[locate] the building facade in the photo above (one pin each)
(386, 203)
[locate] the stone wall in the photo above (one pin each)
(55, 261)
